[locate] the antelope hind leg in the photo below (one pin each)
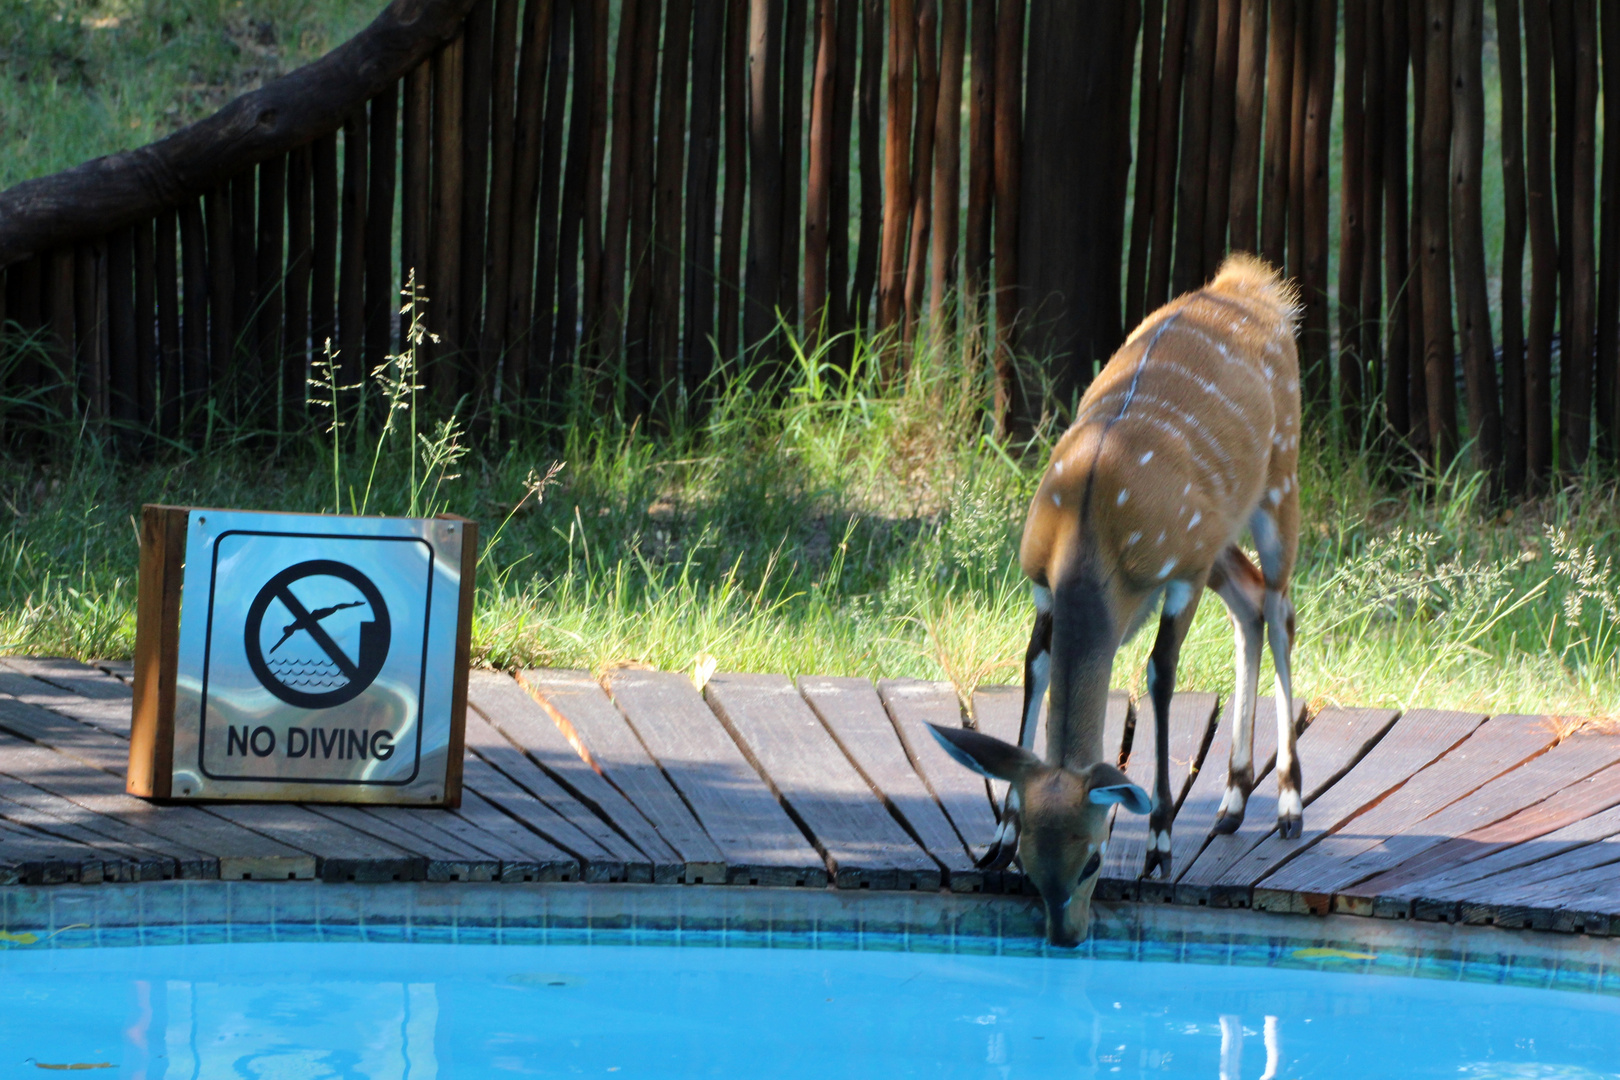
(1241, 588)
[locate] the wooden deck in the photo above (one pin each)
(833, 782)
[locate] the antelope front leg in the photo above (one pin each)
(1180, 604)
(1037, 674)
(1241, 588)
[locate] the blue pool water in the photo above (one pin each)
(298, 1011)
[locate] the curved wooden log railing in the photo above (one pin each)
(111, 192)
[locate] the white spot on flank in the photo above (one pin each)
(1288, 483)
(1169, 565)
(1057, 466)
(1145, 458)
(1196, 518)
(1133, 538)
(1268, 371)
(1187, 488)
(1276, 496)
(1160, 540)
(1124, 493)
(1057, 500)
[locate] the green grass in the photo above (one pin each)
(83, 78)
(852, 529)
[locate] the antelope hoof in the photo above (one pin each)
(1158, 854)
(1230, 817)
(1290, 816)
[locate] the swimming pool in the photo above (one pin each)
(313, 1009)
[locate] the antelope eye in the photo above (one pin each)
(1092, 865)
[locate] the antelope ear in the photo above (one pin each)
(986, 755)
(1107, 785)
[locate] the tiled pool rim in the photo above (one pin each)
(212, 912)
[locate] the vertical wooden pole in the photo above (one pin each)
(1192, 185)
(1303, 22)
(764, 172)
(870, 241)
(736, 185)
(146, 362)
(792, 133)
(1221, 135)
(245, 302)
(1397, 267)
(351, 334)
(415, 178)
(1513, 232)
(1438, 364)
(171, 390)
(667, 189)
(818, 189)
(1167, 137)
(897, 163)
(221, 294)
(543, 369)
(572, 226)
(300, 254)
(1318, 129)
(1352, 223)
(1543, 244)
(1370, 289)
(498, 250)
(476, 371)
(1608, 300)
(194, 330)
(1417, 434)
(1575, 388)
(922, 163)
(1564, 113)
(618, 198)
(981, 158)
(947, 166)
(595, 160)
(1146, 133)
(444, 261)
(59, 331)
(1468, 235)
(381, 295)
(702, 179)
(89, 320)
(838, 207)
(642, 162)
(323, 265)
(271, 269)
(1279, 129)
(1012, 400)
(120, 337)
(1248, 106)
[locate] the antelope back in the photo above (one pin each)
(1190, 427)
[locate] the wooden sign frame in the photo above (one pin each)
(159, 601)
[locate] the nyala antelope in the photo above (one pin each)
(1189, 436)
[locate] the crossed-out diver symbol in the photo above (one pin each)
(374, 635)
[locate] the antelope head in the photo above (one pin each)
(1065, 821)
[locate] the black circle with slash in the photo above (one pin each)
(374, 635)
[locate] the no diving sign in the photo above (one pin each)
(313, 657)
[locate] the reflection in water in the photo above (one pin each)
(1232, 1048)
(381, 1031)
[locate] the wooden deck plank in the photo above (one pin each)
(595, 862)
(1497, 746)
(101, 750)
(588, 719)
(1458, 882)
(853, 715)
(533, 858)
(190, 826)
(608, 849)
(1571, 760)
(781, 737)
(1336, 740)
(441, 858)
(1418, 738)
(341, 853)
(761, 844)
(911, 703)
(81, 679)
(513, 712)
(1576, 802)
(172, 856)
(28, 857)
(1196, 815)
(1555, 880)
(132, 863)
(1191, 715)
(112, 715)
